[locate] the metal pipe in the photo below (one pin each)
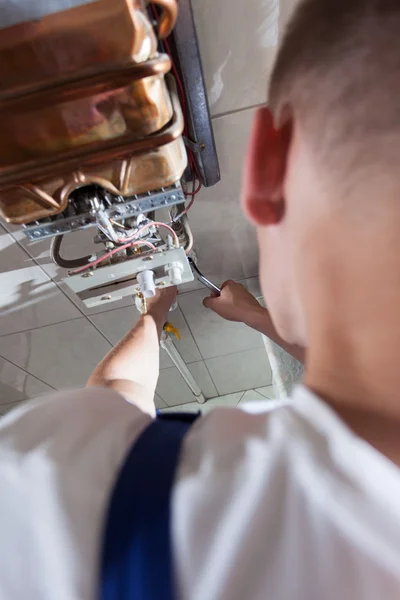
(188, 233)
(167, 345)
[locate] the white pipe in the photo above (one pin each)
(167, 345)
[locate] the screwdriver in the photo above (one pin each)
(199, 275)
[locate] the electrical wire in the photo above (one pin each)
(151, 224)
(187, 208)
(65, 263)
(111, 253)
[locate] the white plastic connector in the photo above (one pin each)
(146, 282)
(174, 271)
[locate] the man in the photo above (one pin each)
(301, 502)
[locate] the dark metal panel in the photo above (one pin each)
(188, 61)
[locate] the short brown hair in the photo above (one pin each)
(338, 67)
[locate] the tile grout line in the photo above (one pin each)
(3, 335)
(242, 393)
(198, 349)
(202, 288)
(241, 397)
(27, 372)
(227, 354)
(59, 288)
(237, 110)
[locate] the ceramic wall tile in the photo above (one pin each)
(159, 402)
(74, 245)
(16, 384)
(267, 392)
(225, 242)
(189, 407)
(240, 371)
(28, 298)
(252, 396)
(202, 377)
(173, 389)
(12, 256)
(231, 400)
(61, 355)
(238, 42)
(213, 335)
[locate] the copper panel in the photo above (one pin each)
(83, 100)
(29, 132)
(97, 152)
(153, 162)
(152, 169)
(84, 39)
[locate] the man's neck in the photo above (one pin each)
(359, 377)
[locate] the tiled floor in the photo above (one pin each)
(48, 339)
(237, 399)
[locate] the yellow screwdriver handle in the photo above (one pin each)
(169, 328)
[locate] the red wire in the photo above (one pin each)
(111, 253)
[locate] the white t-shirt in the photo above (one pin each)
(281, 505)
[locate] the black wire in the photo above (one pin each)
(65, 263)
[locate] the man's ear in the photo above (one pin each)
(265, 167)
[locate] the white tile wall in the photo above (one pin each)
(242, 370)
(16, 384)
(43, 326)
(28, 297)
(225, 243)
(214, 335)
(238, 43)
(74, 245)
(61, 355)
(229, 401)
(173, 390)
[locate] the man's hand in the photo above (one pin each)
(237, 304)
(234, 304)
(159, 305)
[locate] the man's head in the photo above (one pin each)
(322, 181)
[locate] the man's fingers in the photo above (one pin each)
(226, 283)
(209, 301)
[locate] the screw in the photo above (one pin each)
(36, 233)
(88, 274)
(147, 258)
(161, 283)
(105, 298)
(202, 147)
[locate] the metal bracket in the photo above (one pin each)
(186, 52)
(109, 283)
(132, 207)
(194, 146)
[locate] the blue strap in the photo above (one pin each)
(137, 561)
